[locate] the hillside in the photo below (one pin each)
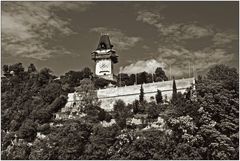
(206, 127)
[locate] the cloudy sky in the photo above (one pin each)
(62, 35)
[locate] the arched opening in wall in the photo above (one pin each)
(103, 46)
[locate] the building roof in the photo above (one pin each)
(104, 43)
(104, 50)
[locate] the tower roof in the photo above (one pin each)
(104, 43)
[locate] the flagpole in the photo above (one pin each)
(170, 71)
(136, 78)
(189, 72)
(120, 78)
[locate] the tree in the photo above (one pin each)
(18, 151)
(57, 104)
(203, 128)
(152, 111)
(101, 83)
(24, 109)
(32, 68)
(73, 78)
(86, 86)
(218, 118)
(121, 112)
(101, 115)
(199, 78)
(174, 93)
(50, 92)
(44, 128)
(142, 78)
(141, 96)
(87, 72)
(87, 93)
(135, 106)
(42, 115)
(67, 136)
(151, 77)
(159, 98)
(43, 149)
(208, 124)
(131, 80)
(100, 142)
(16, 68)
(188, 93)
(44, 76)
(5, 69)
(108, 117)
(28, 130)
(60, 144)
(222, 72)
(123, 79)
(160, 75)
(148, 145)
(229, 76)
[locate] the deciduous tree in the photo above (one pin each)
(160, 75)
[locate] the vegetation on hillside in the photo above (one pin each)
(205, 126)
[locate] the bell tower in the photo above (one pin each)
(104, 57)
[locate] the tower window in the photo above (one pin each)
(103, 46)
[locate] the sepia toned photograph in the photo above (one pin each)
(119, 80)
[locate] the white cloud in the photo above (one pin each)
(120, 40)
(195, 31)
(141, 66)
(224, 38)
(172, 52)
(173, 31)
(149, 17)
(181, 31)
(27, 25)
(201, 60)
(180, 59)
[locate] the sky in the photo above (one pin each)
(186, 37)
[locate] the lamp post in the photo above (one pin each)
(120, 77)
(189, 69)
(136, 77)
(170, 73)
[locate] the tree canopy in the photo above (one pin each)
(205, 127)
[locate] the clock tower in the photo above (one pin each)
(104, 57)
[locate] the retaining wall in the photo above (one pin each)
(128, 94)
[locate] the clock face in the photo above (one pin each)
(103, 67)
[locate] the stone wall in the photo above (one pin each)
(128, 94)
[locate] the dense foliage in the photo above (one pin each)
(203, 124)
(140, 78)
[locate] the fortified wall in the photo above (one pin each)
(129, 94)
